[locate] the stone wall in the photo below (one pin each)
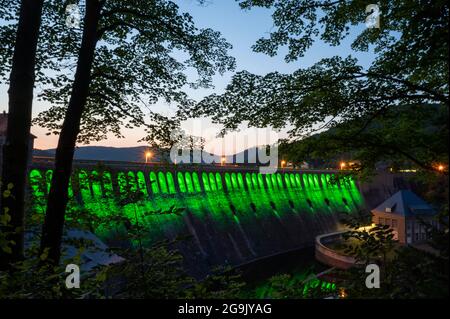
(329, 256)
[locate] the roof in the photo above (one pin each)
(405, 203)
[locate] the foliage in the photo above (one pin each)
(337, 93)
(405, 137)
(373, 243)
(145, 49)
(287, 286)
(147, 272)
(6, 228)
(412, 37)
(32, 278)
(159, 274)
(408, 273)
(222, 283)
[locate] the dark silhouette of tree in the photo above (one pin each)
(410, 69)
(21, 85)
(126, 60)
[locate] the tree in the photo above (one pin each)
(21, 85)
(406, 272)
(410, 69)
(125, 57)
(400, 137)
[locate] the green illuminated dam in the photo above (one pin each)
(230, 216)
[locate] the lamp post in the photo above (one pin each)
(343, 165)
(223, 160)
(283, 163)
(148, 155)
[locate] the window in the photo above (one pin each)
(394, 223)
(417, 236)
(388, 221)
(381, 221)
(408, 239)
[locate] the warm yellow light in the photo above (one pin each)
(366, 228)
(148, 154)
(283, 163)
(441, 167)
(343, 165)
(342, 293)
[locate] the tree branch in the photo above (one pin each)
(437, 95)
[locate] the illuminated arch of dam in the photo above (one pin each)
(98, 185)
(231, 216)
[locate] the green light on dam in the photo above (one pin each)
(241, 205)
(154, 183)
(268, 291)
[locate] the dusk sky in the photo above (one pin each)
(241, 28)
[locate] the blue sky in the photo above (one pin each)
(241, 28)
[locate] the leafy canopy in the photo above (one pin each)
(410, 68)
(147, 52)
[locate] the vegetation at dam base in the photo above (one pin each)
(406, 271)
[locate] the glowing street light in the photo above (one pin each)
(440, 168)
(223, 160)
(148, 155)
(342, 293)
(343, 165)
(283, 163)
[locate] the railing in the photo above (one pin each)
(330, 256)
(49, 161)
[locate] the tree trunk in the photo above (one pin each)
(52, 231)
(15, 149)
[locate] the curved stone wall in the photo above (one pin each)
(329, 256)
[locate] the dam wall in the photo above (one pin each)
(231, 215)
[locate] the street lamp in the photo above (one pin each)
(342, 293)
(440, 168)
(223, 160)
(148, 154)
(343, 165)
(283, 163)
